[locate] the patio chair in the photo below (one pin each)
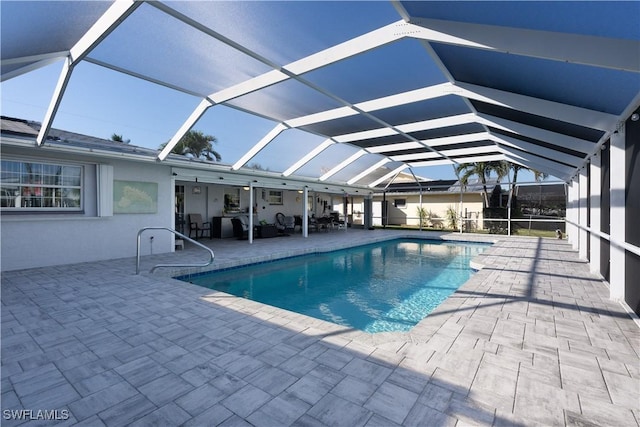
(312, 224)
(285, 224)
(337, 222)
(196, 224)
(325, 223)
(240, 227)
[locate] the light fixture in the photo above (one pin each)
(300, 191)
(635, 117)
(245, 188)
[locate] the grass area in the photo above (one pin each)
(536, 233)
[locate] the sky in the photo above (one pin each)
(101, 102)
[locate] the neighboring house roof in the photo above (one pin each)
(17, 127)
(439, 186)
(548, 192)
(61, 138)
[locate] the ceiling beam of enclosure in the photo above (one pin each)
(480, 102)
(539, 44)
(117, 13)
(570, 48)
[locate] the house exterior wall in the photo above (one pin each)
(292, 204)
(34, 239)
(437, 203)
(209, 201)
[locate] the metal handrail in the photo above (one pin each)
(212, 255)
(620, 245)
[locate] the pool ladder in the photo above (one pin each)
(182, 236)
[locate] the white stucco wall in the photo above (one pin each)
(36, 240)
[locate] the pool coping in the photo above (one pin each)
(218, 265)
(392, 341)
(184, 277)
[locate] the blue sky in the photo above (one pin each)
(100, 102)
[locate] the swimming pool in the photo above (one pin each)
(388, 286)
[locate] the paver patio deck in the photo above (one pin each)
(531, 339)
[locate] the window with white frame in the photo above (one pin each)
(274, 197)
(27, 185)
(232, 200)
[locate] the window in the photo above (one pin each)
(40, 186)
(400, 203)
(232, 200)
(275, 197)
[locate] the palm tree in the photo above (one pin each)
(197, 144)
(482, 170)
(537, 176)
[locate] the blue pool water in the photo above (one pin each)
(388, 286)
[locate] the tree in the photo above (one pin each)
(452, 218)
(197, 144)
(537, 175)
(257, 166)
(482, 170)
(118, 138)
(495, 200)
(425, 216)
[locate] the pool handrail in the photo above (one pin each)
(182, 236)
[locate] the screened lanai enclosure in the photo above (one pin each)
(354, 93)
